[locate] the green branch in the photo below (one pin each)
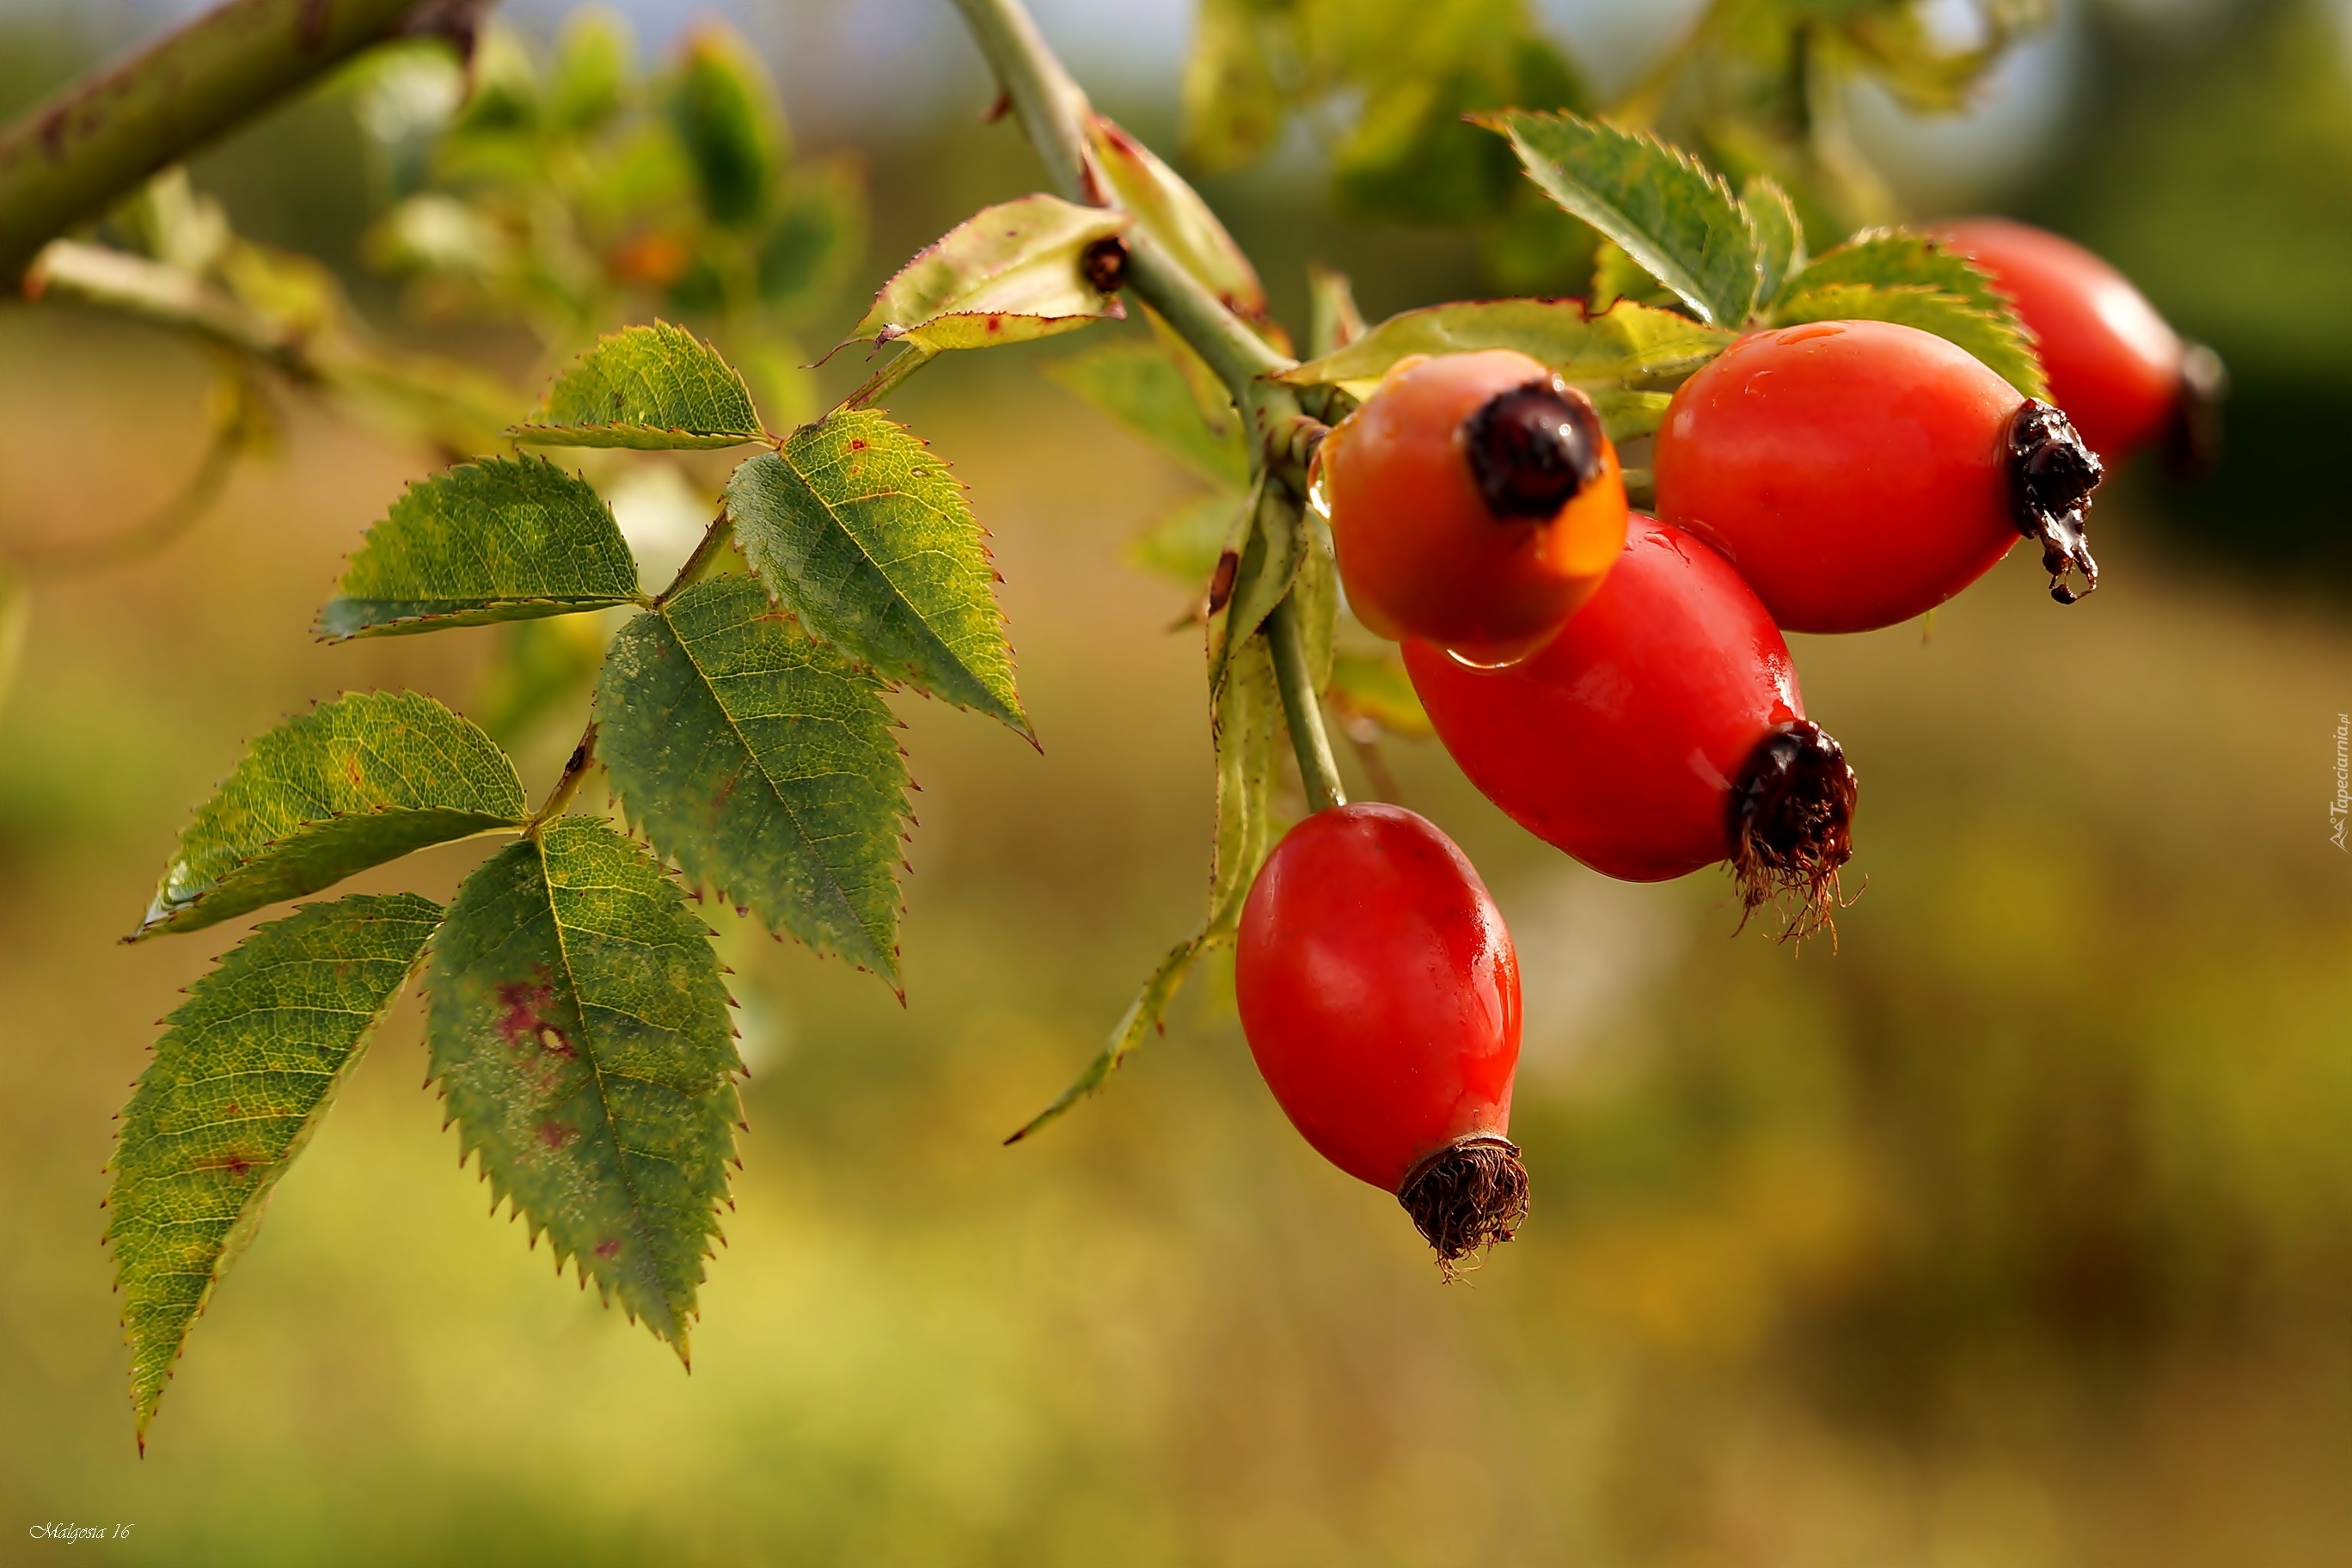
(67, 161)
(1055, 115)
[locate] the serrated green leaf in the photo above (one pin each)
(1138, 385)
(579, 1031)
(723, 108)
(246, 1069)
(1670, 214)
(1172, 213)
(1894, 258)
(653, 387)
(1375, 687)
(497, 540)
(1249, 732)
(1780, 234)
(1627, 345)
(2004, 346)
(1183, 544)
(353, 784)
(1010, 273)
(764, 763)
(859, 529)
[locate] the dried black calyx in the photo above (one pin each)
(2052, 473)
(1104, 264)
(1468, 1198)
(1791, 824)
(1532, 448)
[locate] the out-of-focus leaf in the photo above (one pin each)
(1617, 276)
(648, 387)
(595, 68)
(817, 233)
(1249, 731)
(503, 85)
(1627, 345)
(501, 540)
(245, 1071)
(1411, 157)
(1536, 249)
(1375, 687)
(764, 763)
(860, 531)
(1668, 212)
(1233, 109)
(1173, 215)
(579, 1031)
(1334, 321)
(1138, 385)
(352, 784)
(724, 108)
(1780, 234)
(16, 625)
(1183, 546)
(1007, 274)
(1209, 394)
(1996, 340)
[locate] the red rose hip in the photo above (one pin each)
(1663, 731)
(2115, 366)
(1380, 996)
(1475, 501)
(1860, 473)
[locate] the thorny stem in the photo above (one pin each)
(878, 386)
(66, 161)
(1055, 115)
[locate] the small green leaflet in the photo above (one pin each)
(1138, 385)
(1679, 221)
(1626, 349)
(763, 763)
(1184, 544)
(1331, 310)
(1780, 234)
(497, 540)
(864, 535)
(1234, 108)
(2004, 346)
(723, 108)
(579, 1031)
(1249, 732)
(1893, 259)
(353, 783)
(1264, 543)
(245, 1069)
(1008, 274)
(650, 387)
(1173, 215)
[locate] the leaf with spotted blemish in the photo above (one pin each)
(1008, 274)
(859, 529)
(764, 762)
(244, 1072)
(651, 388)
(352, 784)
(579, 1031)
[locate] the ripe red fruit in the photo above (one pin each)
(1380, 995)
(1474, 500)
(1663, 731)
(2118, 369)
(1860, 473)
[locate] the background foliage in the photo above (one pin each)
(2013, 1234)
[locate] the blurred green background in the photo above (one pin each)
(2015, 1231)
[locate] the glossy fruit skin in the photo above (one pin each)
(1855, 472)
(1378, 990)
(2115, 365)
(1421, 552)
(1620, 742)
